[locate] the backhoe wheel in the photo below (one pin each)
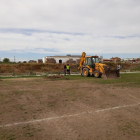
(96, 74)
(85, 72)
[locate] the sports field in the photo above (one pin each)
(70, 108)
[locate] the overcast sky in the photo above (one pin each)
(32, 29)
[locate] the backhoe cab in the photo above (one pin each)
(91, 66)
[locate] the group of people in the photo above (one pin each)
(66, 69)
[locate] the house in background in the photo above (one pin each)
(107, 60)
(138, 60)
(116, 59)
(131, 60)
(62, 59)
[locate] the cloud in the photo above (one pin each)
(98, 17)
(62, 27)
(48, 42)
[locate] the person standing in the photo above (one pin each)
(68, 69)
(65, 69)
(118, 70)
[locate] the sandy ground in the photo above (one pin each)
(41, 109)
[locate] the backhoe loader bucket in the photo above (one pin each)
(110, 74)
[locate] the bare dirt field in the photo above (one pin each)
(49, 109)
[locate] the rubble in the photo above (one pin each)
(50, 60)
(70, 61)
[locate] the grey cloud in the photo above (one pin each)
(94, 17)
(101, 24)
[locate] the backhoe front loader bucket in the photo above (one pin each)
(110, 74)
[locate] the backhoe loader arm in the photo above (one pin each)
(82, 60)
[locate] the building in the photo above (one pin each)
(106, 60)
(131, 60)
(63, 59)
(116, 59)
(138, 60)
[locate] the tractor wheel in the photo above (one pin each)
(96, 74)
(85, 72)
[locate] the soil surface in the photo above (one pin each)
(57, 77)
(42, 109)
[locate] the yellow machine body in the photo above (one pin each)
(91, 66)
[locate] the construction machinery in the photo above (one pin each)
(91, 66)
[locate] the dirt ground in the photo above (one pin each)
(43, 109)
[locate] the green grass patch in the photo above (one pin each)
(132, 79)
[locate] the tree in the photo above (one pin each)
(6, 60)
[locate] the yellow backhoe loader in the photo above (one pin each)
(91, 66)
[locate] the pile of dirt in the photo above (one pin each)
(57, 77)
(51, 60)
(73, 61)
(70, 61)
(111, 74)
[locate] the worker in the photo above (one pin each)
(118, 70)
(68, 69)
(65, 69)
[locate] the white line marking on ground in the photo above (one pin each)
(72, 115)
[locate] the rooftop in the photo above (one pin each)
(65, 56)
